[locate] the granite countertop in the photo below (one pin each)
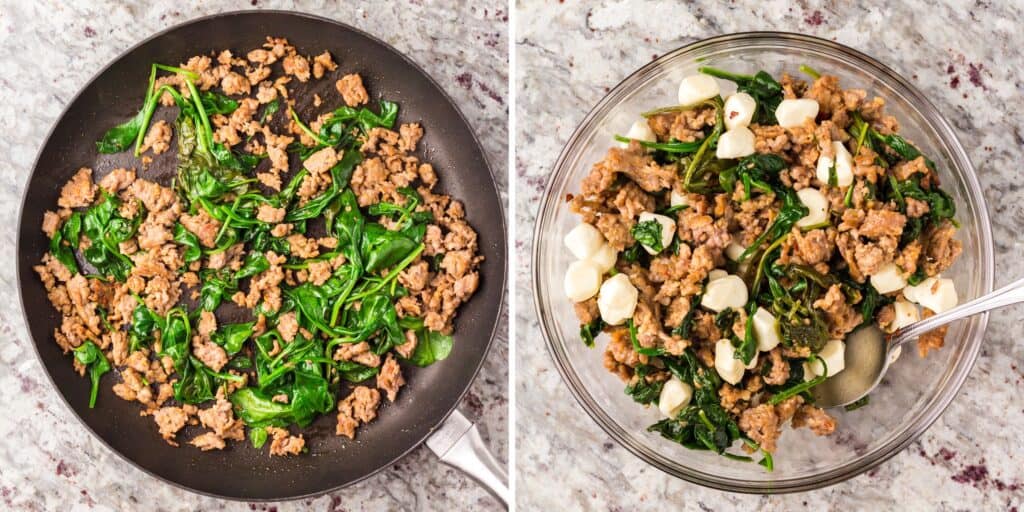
(965, 58)
(49, 50)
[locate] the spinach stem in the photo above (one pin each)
(760, 264)
(147, 110)
(152, 97)
(173, 69)
(207, 131)
(306, 129)
(725, 75)
(848, 198)
(807, 70)
(698, 158)
(781, 396)
(342, 298)
(391, 275)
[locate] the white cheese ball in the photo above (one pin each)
(604, 258)
(640, 130)
(583, 240)
(734, 250)
(743, 266)
(834, 354)
(728, 367)
(678, 199)
(889, 278)
(725, 292)
(793, 113)
(906, 314)
(668, 229)
(739, 110)
(933, 293)
(817, 206)
(766, 330)
(675, 394)
(843, 163)
(735, 143)
(697, 88)
(582, 280)
(717, 274)
(616, 300)
(808, 372)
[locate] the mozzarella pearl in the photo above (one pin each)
(726, 364)
(717, 274)
(668, 229)
(604, 258)
(834, 354)
(640, 130)
(735, 143)
(675, 394)
(766, 330)
(817, 205)
(697, 88)
(743, 266)
(724, 292)
(582, 280)
(678, 199)
(808, 372)
(616, 300)
(933, 293)
(734, 250)
(739, 110)
(906, 314)
(888, 279)
(843, 162)
(583, 240)
(793, 113)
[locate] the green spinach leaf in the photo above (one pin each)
(430, 347)
(648, 233)
(590, 331)
(89, 355)
(641, 390)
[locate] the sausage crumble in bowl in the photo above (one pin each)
(719, 225)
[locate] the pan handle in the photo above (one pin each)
(458, 444)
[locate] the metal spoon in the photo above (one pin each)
(869, 351)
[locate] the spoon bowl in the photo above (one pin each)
(867, 358)
(869, 351)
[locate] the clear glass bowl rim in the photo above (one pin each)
(961, 165)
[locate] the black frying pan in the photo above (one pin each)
(240, 472)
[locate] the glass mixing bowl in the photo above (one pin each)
(915, 391)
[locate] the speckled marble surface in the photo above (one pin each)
(965, 56)
(48, 50)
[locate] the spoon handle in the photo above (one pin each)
(1012, 293)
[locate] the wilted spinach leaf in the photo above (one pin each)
(430, 347)
(648, 233)
(641, 390)
(232, 336)
(89, 355)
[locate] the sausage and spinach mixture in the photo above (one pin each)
(325, 237)
(728, 247)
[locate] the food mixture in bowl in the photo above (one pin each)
(729, 246)
(325, 238)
